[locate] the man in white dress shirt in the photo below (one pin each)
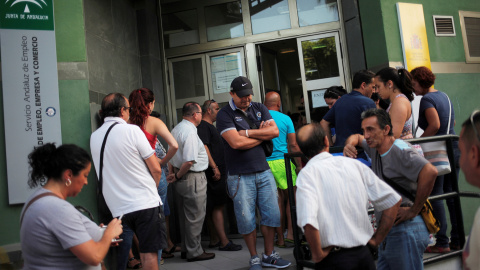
(332, 202)
(188, 172)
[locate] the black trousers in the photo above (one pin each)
(357, 258)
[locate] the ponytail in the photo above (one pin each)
(139, 100)
(49, 162)
(401, 78)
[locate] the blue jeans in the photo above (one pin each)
(447, 187)
(162, 191)
(255, 189)
(124, 247)
(404, 246)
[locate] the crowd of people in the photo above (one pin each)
(241, 161)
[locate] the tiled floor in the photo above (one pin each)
(231, 260)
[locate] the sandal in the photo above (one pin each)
(280, 246)
(175, 248)
(136, 265)
(230, 247)
(167, 255)
(435, 249)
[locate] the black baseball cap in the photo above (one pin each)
(241, 86)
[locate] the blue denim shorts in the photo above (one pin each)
(162, 191)
(250, 190)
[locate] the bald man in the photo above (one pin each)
(284, 143)
(332, 202)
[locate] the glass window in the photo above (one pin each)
(180, 28)
(320, 58)
(224, 21)
(224, 69)
(312, 12)
(188, 79)
(269, 15)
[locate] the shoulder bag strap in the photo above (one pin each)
(100, 177)
(34, 199)
(450, 113)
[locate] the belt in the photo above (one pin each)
(175, 169)
(339, 249)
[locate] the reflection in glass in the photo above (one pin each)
(180, 28)
(269, 15)
(320, 58)
(224, 21)
(188, 79)
(312, 12)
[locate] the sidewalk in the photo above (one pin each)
(232, 260)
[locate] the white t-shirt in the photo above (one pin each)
(471, 252)
(50, 227)
(128, 185)
(332, 196)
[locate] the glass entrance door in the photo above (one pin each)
(203, 77)
(321, 67)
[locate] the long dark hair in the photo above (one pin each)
(401, 78)
(49, 162)
(335, 92)
(139, 100)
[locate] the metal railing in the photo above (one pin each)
(455, 194)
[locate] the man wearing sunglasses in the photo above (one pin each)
(469, 145)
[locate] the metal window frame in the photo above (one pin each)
(469, 59)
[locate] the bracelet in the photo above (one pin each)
(176, 177)
(246, 132)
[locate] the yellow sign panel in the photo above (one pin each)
(414, 35)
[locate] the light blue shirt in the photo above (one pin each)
(285, 127)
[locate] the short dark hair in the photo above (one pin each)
(49, 162)
(189, 108)
(424, 76)
(334, 92)
(468, 132)
(206, 105)
(314, 142)
(383, 118)
(401, 78)
(112, 105)
(362, 76)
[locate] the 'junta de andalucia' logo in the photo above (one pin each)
(26, 14)
(26, 10)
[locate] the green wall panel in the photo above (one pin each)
(463, 90)
(76, 129)
(9, 227)
(442, 49)
(70, 31)
(373, 32)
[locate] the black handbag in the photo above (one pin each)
(104, 213)
(266, 145)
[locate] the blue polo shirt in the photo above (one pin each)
(345, 115)
(243, 161)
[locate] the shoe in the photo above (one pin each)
(274, 260)
(183, 255)
(202, 257)
(215, 245)
(230, 247)
(435, 249)
(454, 246)
(133, 263)
(255, 263)
(162, 261)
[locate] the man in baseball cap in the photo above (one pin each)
(241, 86)
(250, 181)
